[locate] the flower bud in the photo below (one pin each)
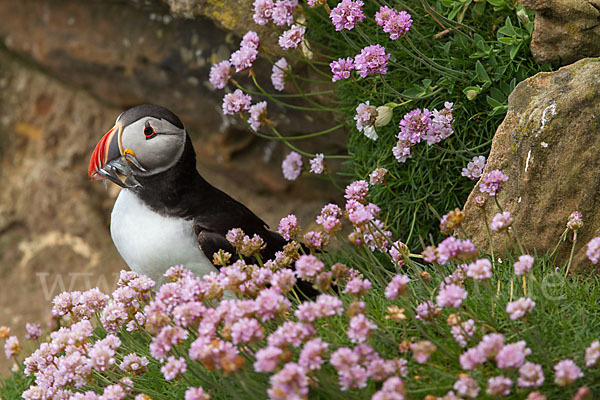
(384, 116)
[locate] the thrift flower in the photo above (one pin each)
(283, 12)
(392, 389)
(267, 359)
(451, 296)
(341, 68)
(501, 221)
(347, 14)
(246, 330)
(463, 332)
(289, 383)
(471, 358)
(196, 393)
(258, 115)
(329, 218)
(133, 363)
(593, 250)
(415, 125)
(530, 375)
(397, 286)
(250, 39)
(566, 372)
(358, 287)
(357, 190)
(402, 151)
(34, 331)
(393, 22)
(474, 168)
(377, 176)
(441, 125)
(12, 347)
(592, 354)
(359, 328)
(480, 269)
(263, 11)
(288, 227)
(365, 116)
(524, 265)
(575, 221)
(311, 356)
(518, 309)
(512, 355)
(427, 311)
(466, 387)
(243, 58)
(173, 368)
(499, 386)
(492, 182)
(291, 38)
(372, 60)
(308, 267)
(451, 221)
(422, 350)
(316, 240)
(316, 164)
(292, 166)
(280, 68)
(236, 102)
(220, 74)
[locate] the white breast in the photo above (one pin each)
(151, 243)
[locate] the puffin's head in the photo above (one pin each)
(146, 140)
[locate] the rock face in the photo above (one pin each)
(549, 146)
(565, 30)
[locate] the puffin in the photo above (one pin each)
(166, 213)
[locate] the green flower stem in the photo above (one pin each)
(489, 235)
(562, 238)
(571, 253)
(303, 152)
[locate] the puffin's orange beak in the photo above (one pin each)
(106, 150)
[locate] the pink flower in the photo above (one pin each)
(392, 389)
(593, 250)
(196, 393)
(341, 68)
(357, 287)
(592, 354)
(372, 60)
(250, 39)
(427, 311)
(365, 116)
(501, 221)
(243, 58)
(173, 368)
(347, 14)
(415, 125)
(258, 115)
(377, 176)
(291, 38)
(499, 386)
(474, 168)
(452, 248)
(480, 269)
(351, 373)
(267, 359)
(133, 363)
(288, 227)
(280, 69)
(292, 166)
(357, 190)
(467, 387)
(566, 372)
(463, 332)
(316, 164)
(512, 355)
(283, 12)
(471, 358)
(290, 332)
(380, 369)
(575, 221)
(103, 352)
(524, 265)
(168, 337)
(451, 296)
(220, 74)
(246, 330)
(397, 286)
(284, 279)
(530, 375)
(270, 303)
(492, 182)
(359, 328)
(396, 251)
(316, 240)
(422, 350)
(490, 345)
(311, 356)
(518, 309)
(401, 151)
(393, 22)
(263, 11)
(236, 102)
(289, 383)
(12, 347)
(308, 267)
(34, 331)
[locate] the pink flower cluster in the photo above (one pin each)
(347, 14)
(393, 22)
(281, 12)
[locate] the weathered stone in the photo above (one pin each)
(548, 145)
(565, 30)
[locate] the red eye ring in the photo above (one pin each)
(149, 131)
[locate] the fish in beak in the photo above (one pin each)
(110, 161)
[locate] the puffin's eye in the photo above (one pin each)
(149, 131)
